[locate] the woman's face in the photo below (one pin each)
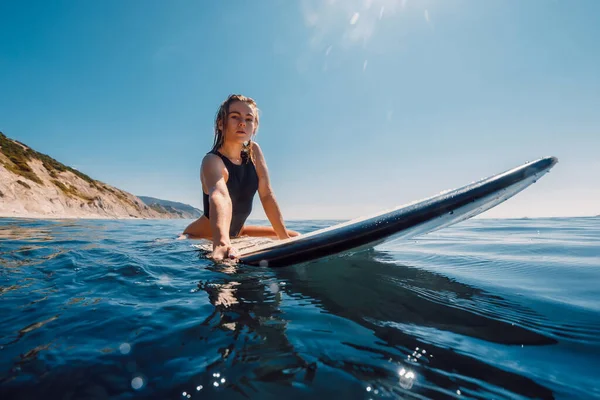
(240, 124)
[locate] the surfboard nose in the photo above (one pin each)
(553, 160)
(543, 164)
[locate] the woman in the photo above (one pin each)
(231, 174)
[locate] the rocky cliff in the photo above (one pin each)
(33, 184)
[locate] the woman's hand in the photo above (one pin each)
(288, 234)
(224, 252)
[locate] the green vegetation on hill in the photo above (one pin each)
(19, 156)
(158, 208)
(173, 207)
(120, 195)
(24, 184)
(72, 191)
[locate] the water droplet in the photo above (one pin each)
(368, 388)
(137, 383)
(222, 380)
(216, 384)
(458, 392)
(354, 18)
(184, 394)
(125, 348)
(199, 388)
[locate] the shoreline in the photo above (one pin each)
(38, 216)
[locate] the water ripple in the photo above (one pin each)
(486, 309)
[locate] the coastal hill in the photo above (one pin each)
(35, 185)
(183, 210)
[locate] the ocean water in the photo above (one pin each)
(494, 309)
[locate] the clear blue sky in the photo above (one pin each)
(365, 105)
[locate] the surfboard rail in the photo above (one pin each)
(416, 218)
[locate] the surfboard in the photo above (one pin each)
(403, 222)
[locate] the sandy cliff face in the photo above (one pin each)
(35, 185)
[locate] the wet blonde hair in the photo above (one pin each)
(222, 115)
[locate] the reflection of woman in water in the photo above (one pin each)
(257, 350)
(231, 174)
(248, 310)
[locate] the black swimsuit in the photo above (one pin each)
(242, 186)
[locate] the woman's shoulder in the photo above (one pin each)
(256, 148)
(212, 158)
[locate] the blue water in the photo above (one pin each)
(485, 309)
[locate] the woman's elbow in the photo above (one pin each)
(218, 197)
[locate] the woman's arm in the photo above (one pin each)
(265, 192)
(213, 176)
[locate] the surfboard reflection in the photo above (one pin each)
(392, 300)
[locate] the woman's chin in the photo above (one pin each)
(239, 139)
